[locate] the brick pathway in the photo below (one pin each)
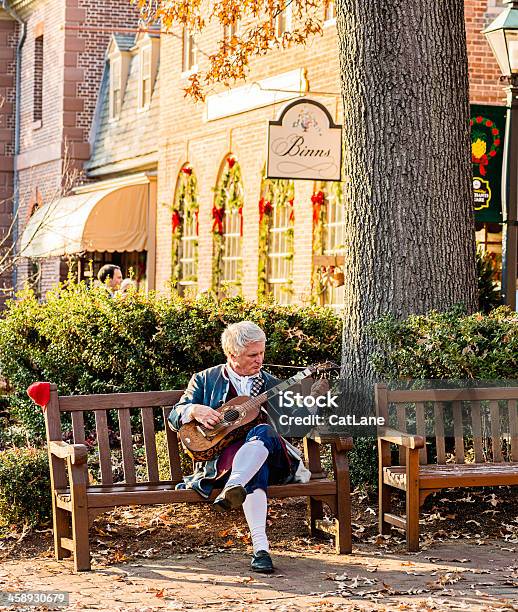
(449, 576)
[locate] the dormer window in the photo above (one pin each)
(115, 87)
(145, 77)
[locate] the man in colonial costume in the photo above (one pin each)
(262, 457)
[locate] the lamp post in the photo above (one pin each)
(502, 36)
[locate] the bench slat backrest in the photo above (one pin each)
(130, 408)
(481, 424)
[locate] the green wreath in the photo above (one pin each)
(184, 208)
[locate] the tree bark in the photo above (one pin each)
(409, 222)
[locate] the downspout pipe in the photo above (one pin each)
(17, 114)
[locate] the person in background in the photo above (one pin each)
(110, 276)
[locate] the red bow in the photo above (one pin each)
(217, 215)
(39, 392)
(482, 161)
(231, 161)
(292, 214)
(187, 170)
(175, 220)
(317, 199)
(240, 212)
(265, 208)
(197, 215)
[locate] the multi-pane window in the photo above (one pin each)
(280, 255)
(38, 79)
(188, 52)
(145, 77)
(334, 238)
(115, 87)
(283, 22)
(330, 11)
(229, 31)
(188, 253)
(231, 260)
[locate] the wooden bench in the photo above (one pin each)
(479, 426)
(76, 502)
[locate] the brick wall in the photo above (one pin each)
(484, 73)
(8, 35)
(186, 136)
(73, 58)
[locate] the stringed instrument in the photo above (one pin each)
(239, 414)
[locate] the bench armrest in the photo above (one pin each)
(77, 452)
(388, 434)
(341, 444)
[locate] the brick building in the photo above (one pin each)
(233, 124)
(120, 113)
(61, 54)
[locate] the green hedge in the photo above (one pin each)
(449, 345)
(86, 342)
(24, 487)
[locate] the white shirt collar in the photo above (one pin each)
(242, 384)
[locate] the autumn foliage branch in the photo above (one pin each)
(257, 34)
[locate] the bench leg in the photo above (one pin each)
(80, 523)
(385, 492)
(81, 542)
(315, 511)
(412, 499)
(61, 523)
(343, 541)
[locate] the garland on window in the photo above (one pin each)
(274, 193)
(228, 195)
(319, 201)
(185, 206)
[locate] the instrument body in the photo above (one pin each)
(239, 416)
(203, 444)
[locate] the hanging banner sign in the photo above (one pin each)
(487, 144)
(305, 143)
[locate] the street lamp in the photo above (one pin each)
(502, 36)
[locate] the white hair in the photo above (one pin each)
(239, 335)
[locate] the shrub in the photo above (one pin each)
(86, 342)
(24, 487)
(448, 345)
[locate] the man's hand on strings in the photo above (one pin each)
(206, 416)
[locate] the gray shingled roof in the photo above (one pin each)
(130, 137)
(124, 41)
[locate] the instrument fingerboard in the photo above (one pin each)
(288, 383)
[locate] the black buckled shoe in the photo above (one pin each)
(262, 562)
(230, 497)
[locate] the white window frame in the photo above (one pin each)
(115, 85)
(189, 54)
(337, 249)
(233, 234)
(287, 16)
(145, 74)
(188, 236)
(330, 14)
(278, 255)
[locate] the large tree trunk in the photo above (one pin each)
(409, 216)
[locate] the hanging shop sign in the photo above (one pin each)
(304, 143)
(487, 145)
